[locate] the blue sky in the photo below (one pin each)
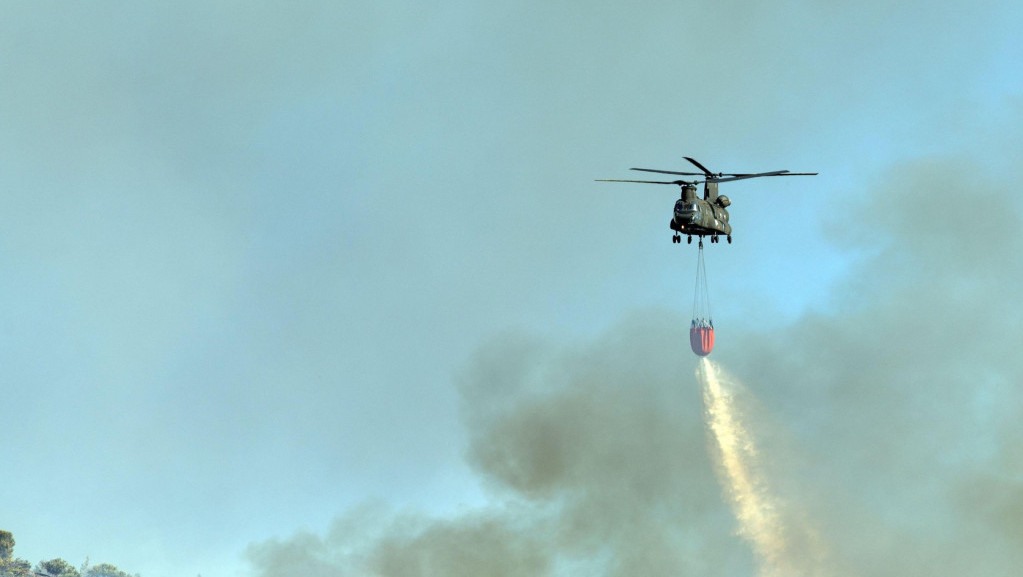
(250, 249)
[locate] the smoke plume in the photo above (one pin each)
(594, 456)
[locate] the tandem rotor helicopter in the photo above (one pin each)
(707, 216)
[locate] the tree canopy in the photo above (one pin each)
(57, 568)
(6, 545)
(106, 570)
(13, 567)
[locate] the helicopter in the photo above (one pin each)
(707, 216)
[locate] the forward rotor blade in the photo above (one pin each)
(676, 182)
(669, 172)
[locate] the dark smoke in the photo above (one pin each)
(596, 458)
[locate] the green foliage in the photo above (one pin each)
(10, 567)
(105, 570)
(6, 545)
(15, 568)
(58, 568)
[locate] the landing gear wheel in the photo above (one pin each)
(729, 239)
(689, 240)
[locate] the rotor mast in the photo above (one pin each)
(710, 188)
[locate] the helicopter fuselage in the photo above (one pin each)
(706, 216)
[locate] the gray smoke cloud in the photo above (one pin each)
(595, 456)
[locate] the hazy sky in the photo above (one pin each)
(304, 282)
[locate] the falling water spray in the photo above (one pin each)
(759, 512)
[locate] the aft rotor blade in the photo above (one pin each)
(669, 172)
(700, 166)
(676, 182)
(775, 173)
(745, 176)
